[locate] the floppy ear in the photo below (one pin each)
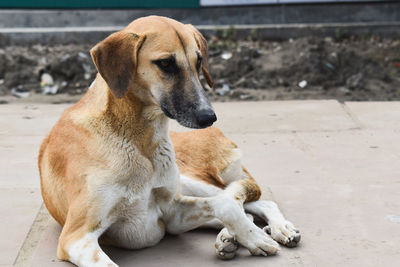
(115, 59)
(202, 44)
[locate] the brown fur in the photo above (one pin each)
(96, 255)
(116, 59)
(203, 154)
(202, 44)
(250, 185)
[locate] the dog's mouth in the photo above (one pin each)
(189, 124)
(167, 113)
(191, 120)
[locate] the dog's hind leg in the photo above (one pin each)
(218, 172)
(278, 227)
(191, 212)
(78, 242)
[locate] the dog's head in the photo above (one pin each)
(159, 60)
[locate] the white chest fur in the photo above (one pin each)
(142, 194)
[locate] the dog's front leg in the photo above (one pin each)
(187, 213)
(78, 242)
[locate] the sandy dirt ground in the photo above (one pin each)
(342, 68)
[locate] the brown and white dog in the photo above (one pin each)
(111, 170)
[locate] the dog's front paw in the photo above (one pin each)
(258, 242)
(225, 245)
(284, 232)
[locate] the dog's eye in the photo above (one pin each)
(167, 65)
(198, 63)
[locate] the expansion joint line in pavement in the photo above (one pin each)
(28, 248)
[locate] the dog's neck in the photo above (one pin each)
(128, 116)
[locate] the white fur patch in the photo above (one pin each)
(191, 187)
(234, 170)
(87, 252)
(268, 210)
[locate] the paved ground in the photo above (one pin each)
(334, 169)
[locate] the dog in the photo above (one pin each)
(111, 173)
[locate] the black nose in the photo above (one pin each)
(205, 117)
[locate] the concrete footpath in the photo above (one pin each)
(333, 168)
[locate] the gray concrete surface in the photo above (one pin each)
(333, 168)
(383, 11)
(93, 34)
(283, 21)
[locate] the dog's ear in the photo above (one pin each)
(202, 44)
(115, 59)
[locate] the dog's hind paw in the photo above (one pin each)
(225, 245)
(259, 243)
(283, 232)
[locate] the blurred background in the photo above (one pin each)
(259, 49)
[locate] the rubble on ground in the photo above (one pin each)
(362, 68)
